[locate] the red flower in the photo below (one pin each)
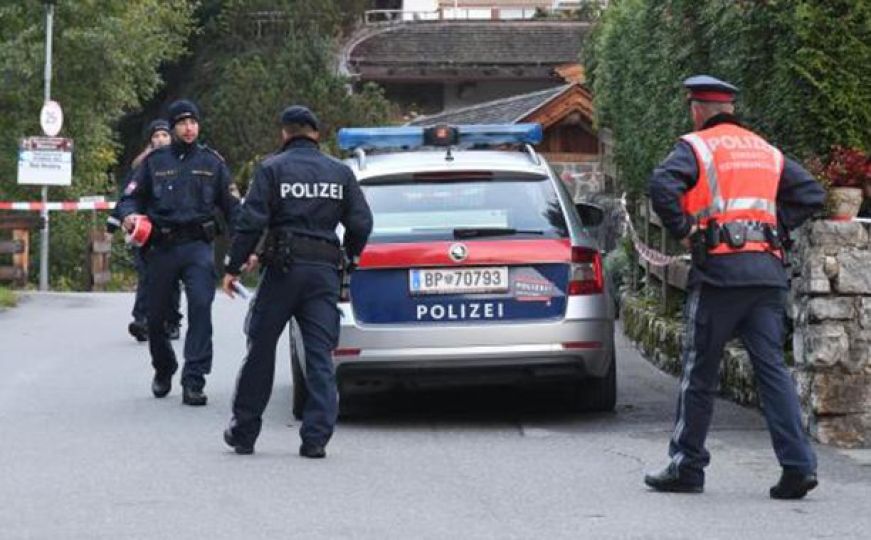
(845, 167)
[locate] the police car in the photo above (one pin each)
(480, 269)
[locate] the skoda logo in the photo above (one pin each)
(458, 252)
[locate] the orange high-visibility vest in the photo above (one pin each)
(738, 177)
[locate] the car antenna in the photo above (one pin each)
(449, 156)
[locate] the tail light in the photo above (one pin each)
(585, 272)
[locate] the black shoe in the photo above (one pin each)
(793, 485)
(240, 449)
(139, 330)
(314, 451)
(196, 398)
(668, 479)
(173, 330)
(161, 386)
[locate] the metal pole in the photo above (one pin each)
(43, 236)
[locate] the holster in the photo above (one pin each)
(698, 248)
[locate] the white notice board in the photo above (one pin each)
(45, 161)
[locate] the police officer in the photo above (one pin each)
(158, 134)
(178, 188)
(730, 196)
(301, 196)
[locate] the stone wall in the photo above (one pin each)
(831, 308)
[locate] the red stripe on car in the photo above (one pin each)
(479, 252)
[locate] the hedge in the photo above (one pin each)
(803, 66)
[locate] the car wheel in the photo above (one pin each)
(598, 394)
(297, 359)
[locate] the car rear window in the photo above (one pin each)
(417, 210)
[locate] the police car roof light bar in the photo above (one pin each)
(409, 137)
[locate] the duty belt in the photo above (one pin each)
(184, 233)
(737, 233)
(716, 239)
(283, 248)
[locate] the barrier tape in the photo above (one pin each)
(654, 257)
(65, 206)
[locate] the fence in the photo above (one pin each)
(671, 278)
(22, 220)
(18, 246)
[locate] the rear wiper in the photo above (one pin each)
(472, 232)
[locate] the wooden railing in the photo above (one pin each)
(671, 279)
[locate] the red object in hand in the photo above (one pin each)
(141, 231)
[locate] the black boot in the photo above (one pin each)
(239, 448)
(314, 451)
(193, 397)
(793, 485)
(669, 479)
(161, 385)
(139, 330)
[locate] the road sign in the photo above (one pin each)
(51, 118)
(45, 161)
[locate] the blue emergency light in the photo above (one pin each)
(408, 138)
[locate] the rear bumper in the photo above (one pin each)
(578, 346)
(459, 372)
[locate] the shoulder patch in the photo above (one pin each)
(131, 187)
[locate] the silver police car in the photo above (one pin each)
(480, 269)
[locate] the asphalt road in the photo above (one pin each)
(87, 453)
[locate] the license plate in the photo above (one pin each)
(491, 279)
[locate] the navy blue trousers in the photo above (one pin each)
(193, 264)
(308, 292)
(140, 306)
(713, 317)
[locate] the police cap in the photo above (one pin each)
(157, 125)
(707, 88)
(181, 109)
(297, 114)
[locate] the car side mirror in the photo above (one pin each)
(591, 215)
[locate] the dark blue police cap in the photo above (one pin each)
(181, 109)
(157, 125)
(297, 114)
(707, 88)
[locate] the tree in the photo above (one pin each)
(267, 55)
(106, 58)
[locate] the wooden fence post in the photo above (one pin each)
(20, 225)
(99, 249)
(663, 247)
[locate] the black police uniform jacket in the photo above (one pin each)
(307, 193)
(180, 185)
(799, 196)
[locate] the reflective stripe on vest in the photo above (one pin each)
(738, 177)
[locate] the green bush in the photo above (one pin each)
(802, 66)
(7, 298)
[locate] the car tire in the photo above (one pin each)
(297, 357)
(597, 394)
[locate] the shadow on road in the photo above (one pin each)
(489, 404)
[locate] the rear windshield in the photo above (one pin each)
(415, 211)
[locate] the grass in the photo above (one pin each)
(7, 298)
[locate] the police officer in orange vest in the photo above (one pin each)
(730, 196)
